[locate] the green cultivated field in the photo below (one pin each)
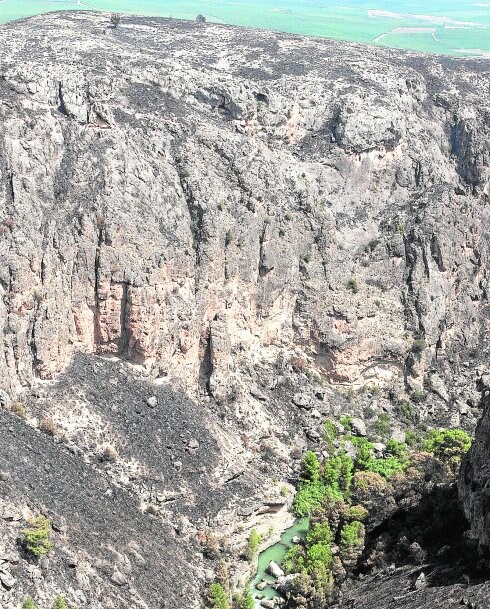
(454, 27)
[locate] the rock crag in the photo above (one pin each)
(208, 237)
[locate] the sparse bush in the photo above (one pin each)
(244, 600)
(405, 411)
(253, 544)
(115, 20)
(329, 433)
(228, 237)
(60, 603)
(29, 603)
(382, 425)
(48, 426)
(369, 412)
(18, 409)
(284, 491)
(36, 537)
(346, 422)
(298, 363)
(352, 285)
(372, 245)
(418, 347)
(418, 396)
(210, 545)
(201, 19)
(222, 576)
(288, 216)
(413, 439)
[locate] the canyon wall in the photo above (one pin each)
(200, 200)
(210, 239)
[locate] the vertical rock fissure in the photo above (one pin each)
(124, 333)
(206, 366)
(97, 328)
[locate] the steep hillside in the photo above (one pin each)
(210, 240)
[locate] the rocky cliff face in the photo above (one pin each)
(255, 220)
(474, 476)
(196, 199)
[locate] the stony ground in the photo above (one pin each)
(211, 239)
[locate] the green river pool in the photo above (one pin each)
(276, 552)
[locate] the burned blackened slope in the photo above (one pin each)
(167, 446)
(420, 556)
(397, 589)
(132, 474)
(106, 548)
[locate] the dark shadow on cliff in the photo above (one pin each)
(432, 535)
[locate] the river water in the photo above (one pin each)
(276, 553)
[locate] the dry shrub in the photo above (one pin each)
(110, 454)
(366, 485)
(48, 426)
(18, 409)
(298, 363)
(210, 545)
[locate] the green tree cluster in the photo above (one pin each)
(315, 557)
(395, 461)
(315, 485)
(217, 598)
(333, 479)
(448, 445)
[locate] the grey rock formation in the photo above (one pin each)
(474, 479)
(292, 192)
(230, 216)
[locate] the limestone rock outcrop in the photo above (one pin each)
(205, 234)
(474, 479)
(201, 199)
